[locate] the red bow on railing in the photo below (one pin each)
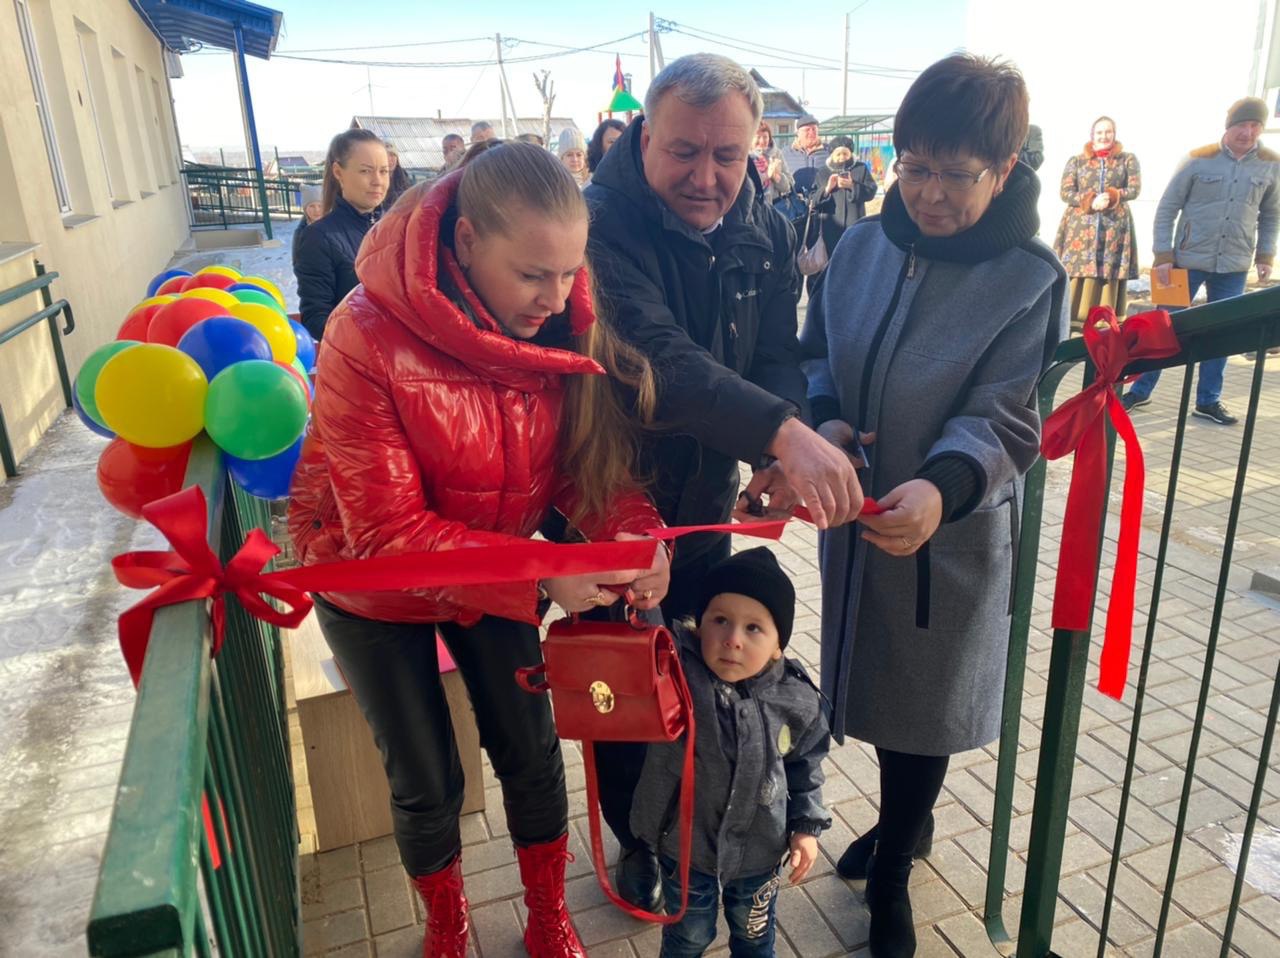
(1078, 426)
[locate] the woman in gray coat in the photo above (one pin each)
(934, 323)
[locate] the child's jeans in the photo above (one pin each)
(749, 905)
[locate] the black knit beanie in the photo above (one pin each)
(1247, 108)
(756, 574)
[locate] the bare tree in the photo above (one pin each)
(546, 86)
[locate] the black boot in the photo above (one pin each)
(635, 877)
(892, 932)
(853, 863)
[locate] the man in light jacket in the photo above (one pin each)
(1226, 200)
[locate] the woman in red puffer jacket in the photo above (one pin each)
(459, 398)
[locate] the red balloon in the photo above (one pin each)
(174, 319)
(131, 476)
(214, 280)
(136, 323)
(306, 390)
(173, 286)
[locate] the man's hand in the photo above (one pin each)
(804, 852)
(911, 515)
(770, 481)
(1264, 272)
(818, 472)
(1164, 273)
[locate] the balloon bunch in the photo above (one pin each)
(214, 351)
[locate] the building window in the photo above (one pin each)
(95, 81)
(784, 128)
(60, 186)
(134, 134)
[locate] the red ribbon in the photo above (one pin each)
(1079, 426)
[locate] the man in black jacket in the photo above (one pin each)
(697, 271)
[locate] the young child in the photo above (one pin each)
(761, 738)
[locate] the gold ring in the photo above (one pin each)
(597, 599)
(906, 543)
(648, 594)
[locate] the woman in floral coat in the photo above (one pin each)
(1096, 240)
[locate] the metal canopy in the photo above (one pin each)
(186, 25)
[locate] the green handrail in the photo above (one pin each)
(1243, 323)
(205, 817)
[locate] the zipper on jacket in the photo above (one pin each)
(907, 272)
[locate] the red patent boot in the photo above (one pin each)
(549, 933)
(448, 915)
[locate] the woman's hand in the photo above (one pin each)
(774, 173)
(650, 587)
(911, 515)
(1101, 201)
(840, 434)
(804, 852)
(578, 593)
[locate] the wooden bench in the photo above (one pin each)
(348, 785)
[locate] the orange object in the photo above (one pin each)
(1177, 293)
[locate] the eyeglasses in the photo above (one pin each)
(953, 181)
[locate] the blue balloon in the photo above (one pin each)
(163, 278)
(220, 341)
(266, 478)
(102, 431)
(306, 346)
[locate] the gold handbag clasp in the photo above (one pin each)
(601, 697)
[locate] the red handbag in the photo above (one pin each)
(619, 682)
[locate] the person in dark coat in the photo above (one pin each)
(697, 271)
(400, 179)
(1032, 151)
(356, 177)
(841, 201)
(935, 322)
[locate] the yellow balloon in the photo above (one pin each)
(155, 398)
(270, 287)
(272, 324)
(230, 271)
(154, 301)
(219, 296)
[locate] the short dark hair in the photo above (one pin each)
(964, 104)
(595, 149)
(451, 138)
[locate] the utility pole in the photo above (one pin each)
(655, 49)
(368, 78)
(502, 87)
(844, 96)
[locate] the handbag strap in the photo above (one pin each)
(686, 807)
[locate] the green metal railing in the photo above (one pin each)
(1248, 323)
(47, 314)
(208, 743)
(224, 196)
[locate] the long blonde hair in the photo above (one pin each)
(602, 415)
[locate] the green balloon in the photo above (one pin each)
(255, 409)
(87, 380)
(255, 296)
(296, 363)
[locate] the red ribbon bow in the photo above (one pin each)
(192, 571)
(1078, 426)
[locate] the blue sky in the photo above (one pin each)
(299, 105)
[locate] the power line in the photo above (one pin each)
(809, 61)
(445, 64)
(386, 46)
